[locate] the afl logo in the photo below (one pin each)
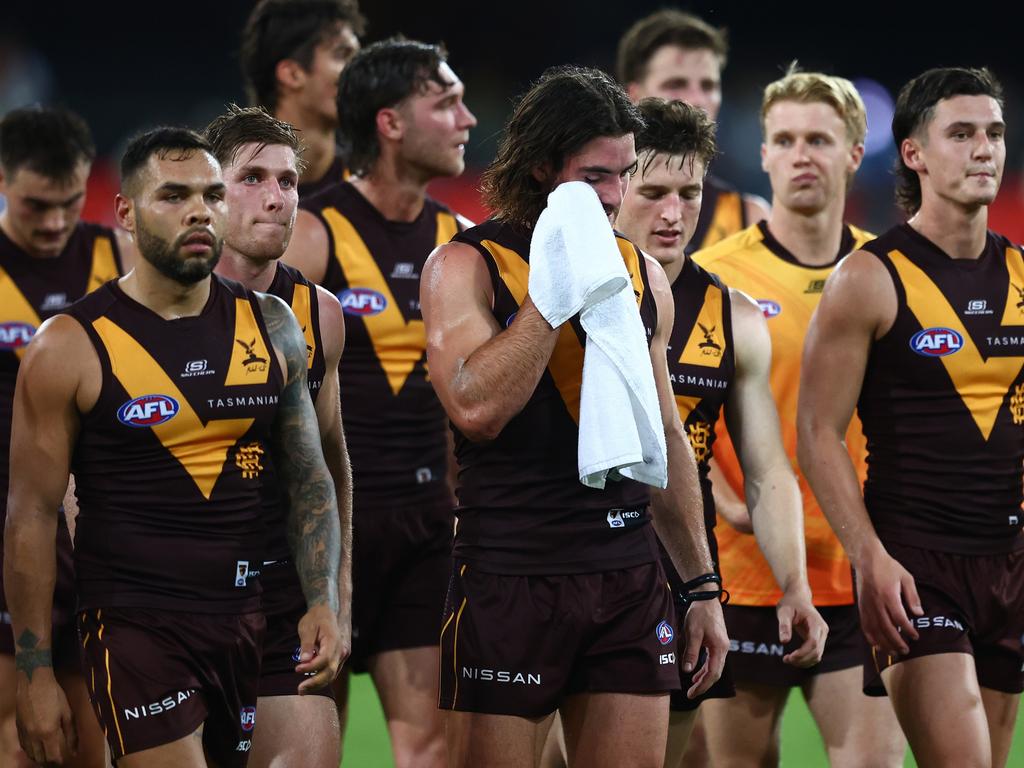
(769, 307)
(16, 335)
(248, 718)
(665, 633)
(362, 302)
(147, 411)
(936, 342)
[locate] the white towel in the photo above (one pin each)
(576, 267)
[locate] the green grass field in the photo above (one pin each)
(366, 742)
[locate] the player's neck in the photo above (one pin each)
(958, 231)
(254, 274)
(674, 268)
(813, 239)
(396, 195)
(318, 138)
(166, 297)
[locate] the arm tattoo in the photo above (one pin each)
(28, 656)
(314, 535)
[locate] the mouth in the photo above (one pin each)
(667, 236)
(804, 179)
(198, 242)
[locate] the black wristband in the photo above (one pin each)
(687, 595)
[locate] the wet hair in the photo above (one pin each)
(239, 126)
(381, 76)
(289, 29)
(165, 141)
(564, 110)
(815, 87)
(52, 141)
(915, 108)
(675, 128)
(665, 27)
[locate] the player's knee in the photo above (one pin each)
(427, 750)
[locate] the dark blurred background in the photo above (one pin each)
(125, 67)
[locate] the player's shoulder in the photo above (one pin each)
(736, 246)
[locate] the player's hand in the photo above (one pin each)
(322, 648)
(883, 586)
(46, 728)
(704, 627)
(795, 611)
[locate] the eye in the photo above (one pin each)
(251, 178)
(217, 197)
(592, 179)
(287, 183)
(172, 197)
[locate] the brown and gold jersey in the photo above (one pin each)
(35, 289)
(788, 292)
(300, 294)
(168, 462)
(522, 508)
(701, 366)
(337, 172)
(721, 214)
(943, 398)
(394, 424)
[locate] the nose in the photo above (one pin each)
(198, 214)
(468, 118)
(55, 219)
(671, 210)
(611, 193)
(983, 146)
(273, 200)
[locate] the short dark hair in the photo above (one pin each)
(675, 128)
(665, 27)
(915, 108)
(51, 141)
(162, 142)
(288, 29)
(238, 126)
(381, 76)
(564, 110)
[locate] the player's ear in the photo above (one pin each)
(856, 157)
(389, 123)
(542, 173)
(634, 92)
(764, 156)
(910, 153)
(124, 212)
(290, 74)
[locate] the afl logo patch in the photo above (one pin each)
(664, 633)
(248, 718)
(769, 308)
(362, 302)
(147, 411)
(936, 342)
(16, 335)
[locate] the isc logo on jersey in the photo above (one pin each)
(362, 302)
(147, 411)
(936, 342)
(769, 308)
(16, 335)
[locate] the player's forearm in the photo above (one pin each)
(336, 456)
(826, 464)
(776, 512)
(30, 573)
(678, 511)
(495, 382)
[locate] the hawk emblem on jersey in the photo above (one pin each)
(252, 361)
(1017, 404)
(709, 346)
(1020, 296)
(700, 439)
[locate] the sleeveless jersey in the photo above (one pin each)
(168, 462)
(788, 292)
(721, 214)
(300, 294)
(943, 398)
(394, 423)
(33, 290)
(701, 366)
(522, 508)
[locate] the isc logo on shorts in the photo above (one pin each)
(147, 411)
(248, 718)
(664, 633)
(769, 308)
(667, 658)
(936, 342)
(362, 302)
(15, 335)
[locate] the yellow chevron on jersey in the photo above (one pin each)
(981, 384)
(447, 226)
(17, 309)
(200, 448)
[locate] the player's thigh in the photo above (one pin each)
(615, 729)
(186, 752)
(1001, 713)
(496, 741)
(406, 681)
(92, 745)
(745, 730)
(680, 728)
(552, 748)
(938, 702)
(296, 730)
(858, 730)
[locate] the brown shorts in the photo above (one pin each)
(972, 604)
(156, 676)
(519, 645)
(756, 653)
(64, 633)
(283, 605)
(401, 560)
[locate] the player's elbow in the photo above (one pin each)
(477, 423)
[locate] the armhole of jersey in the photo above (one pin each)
(333, 267)
(106, 366)
(901, 296)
